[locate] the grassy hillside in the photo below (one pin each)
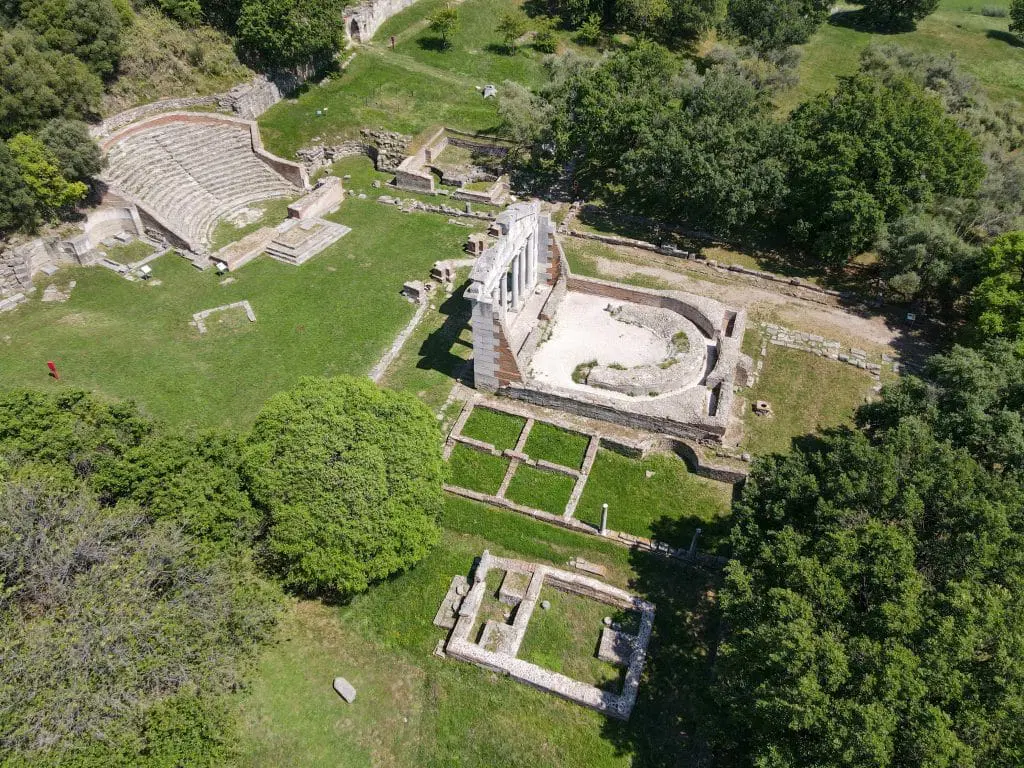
(162, 59)
(981, 44)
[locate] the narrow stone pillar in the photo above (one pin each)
(521, 262)
(503, 292)
(604, 519)
(693, 544)
(531, 257)
(515, 284)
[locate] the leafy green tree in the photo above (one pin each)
(899, 13)
(1017, 17)
(691, 20)
(874, 608)
(512, 26)
(88, 29)
(644, 16)
(290, 33)
(923, 258)
(776, 24)
(590, 30)
(78, 156)
(443, 23)
(350, 476)
(37, 85)
(866, 154)
(17, 205)
(545, 40)
(41, 174)
(636, 123)
(997, 304)
(974, 398)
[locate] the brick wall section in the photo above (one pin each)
(508, 367)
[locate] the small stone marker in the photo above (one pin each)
(344, 689)
(607, 621)
(545, 604)
(648, 474)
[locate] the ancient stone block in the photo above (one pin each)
(345, 689)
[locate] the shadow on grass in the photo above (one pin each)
(435, 44)
(675, 710)
(1006, 37)
(862, 21)
(436, 351)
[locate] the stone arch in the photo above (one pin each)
(353, 30)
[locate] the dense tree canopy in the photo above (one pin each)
(662, 140)
(974, 398)
(128, 605)
(350, 477)
(78, 156)
(876, 608)
(997, 304)
(88, 29)
(774, 24)
(37, 84)
(899, 13)
(289, 33)
(1017, 17)
(866, 154)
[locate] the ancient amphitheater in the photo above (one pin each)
(186, 171)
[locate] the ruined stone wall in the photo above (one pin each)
(362, 21)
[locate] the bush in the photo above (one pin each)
(1017, 17)
(350, 476)
(994, 11)
(545, 40)
(78, 156)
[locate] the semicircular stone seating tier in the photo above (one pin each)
(191, 174)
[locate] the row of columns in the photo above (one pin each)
(518, 282)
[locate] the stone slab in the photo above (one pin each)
(615, 647)
(345, 689)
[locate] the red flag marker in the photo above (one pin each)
(53, 369)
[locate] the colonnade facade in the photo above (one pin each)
(519, 280)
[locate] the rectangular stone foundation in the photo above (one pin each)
(507, 638)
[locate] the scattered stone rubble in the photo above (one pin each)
(819, 345)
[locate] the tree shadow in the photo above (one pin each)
(1006, 37)
(861, 21)
(500, 49)
(435, 44)
(435, 353)
(675, 711)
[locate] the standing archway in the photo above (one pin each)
(353, 31)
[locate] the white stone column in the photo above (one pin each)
(531, 257)
(503, 292)
(515, 284)
(520, 257)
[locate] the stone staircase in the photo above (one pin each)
(298, 241)
(192, 174)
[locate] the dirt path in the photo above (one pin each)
(761, 302)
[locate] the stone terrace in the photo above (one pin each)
(189, 173)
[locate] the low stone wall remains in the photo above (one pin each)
(325, 197)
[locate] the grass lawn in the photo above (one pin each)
(982, 45)
(501, 430)
(540, 489)
(376, 91)
(226, 232)
(476, 470)
(436, 353)
(414, 709)
(128, 253)
(336, 314)
(668, 506)
(476, 51)
(564, 639)
(805, 392)
(556, 445)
